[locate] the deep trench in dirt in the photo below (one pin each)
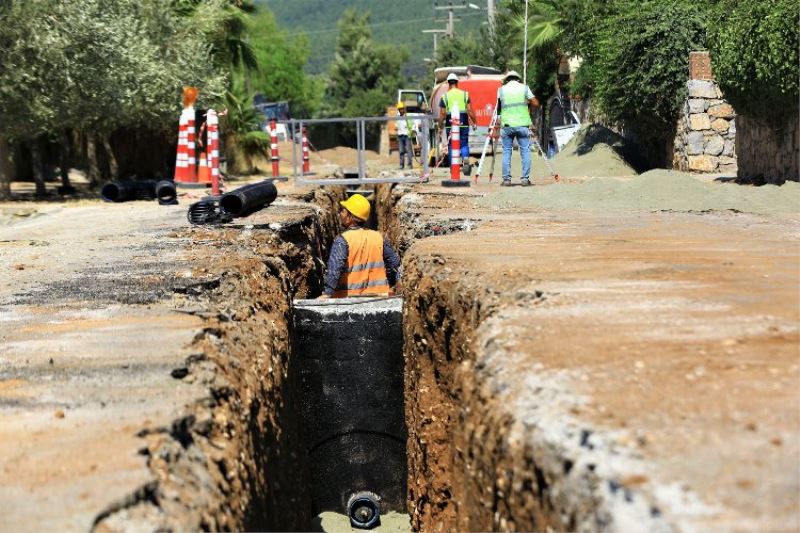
(343, 402)
(305, 417)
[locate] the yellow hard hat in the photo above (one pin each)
(401, 105)
(357, 205)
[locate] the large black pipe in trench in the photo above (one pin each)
(248, 199)
(348, 370)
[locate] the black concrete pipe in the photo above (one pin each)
(348, 371)
(248, 199)
(118, 191)
(166, 193)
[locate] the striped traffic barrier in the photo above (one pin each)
(212, 125)
(455, 151)
(306, 160)
(273, 144)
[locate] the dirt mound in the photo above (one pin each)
(597, 151)
(653, 190)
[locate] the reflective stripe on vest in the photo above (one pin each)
(515, 105)
(365, 273)
(456, 96)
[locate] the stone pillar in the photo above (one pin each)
(705, 139)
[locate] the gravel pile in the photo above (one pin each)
(656, 190)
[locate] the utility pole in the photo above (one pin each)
(490, 14)
(435, 39)
(450, 8)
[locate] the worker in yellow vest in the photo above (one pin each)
(361, 262)
(516, 105)
(456, 97)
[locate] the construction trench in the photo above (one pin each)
(405, 403)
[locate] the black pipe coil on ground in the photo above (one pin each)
(118, 191)
(248, 199)
(166, 192)
(207, 211)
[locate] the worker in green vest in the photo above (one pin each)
(516, 105)
(456, 97)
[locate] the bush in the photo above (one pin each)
(754, 49)
(641, 67)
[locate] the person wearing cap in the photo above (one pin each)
(361, 262)
(405, 131)
(515, 107)
(456, 97)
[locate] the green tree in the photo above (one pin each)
(95, 67)
(244, 139)
(280, 60)
(641, 67)
(755, 53)
(364, 76)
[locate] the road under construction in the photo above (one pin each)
(572, 356)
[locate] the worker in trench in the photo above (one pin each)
(361, 262)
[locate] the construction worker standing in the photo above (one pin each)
(515, 107)
(456, 97)
(405, 132)
(361, 263)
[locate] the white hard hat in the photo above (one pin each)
(512, 74)
(452, 77)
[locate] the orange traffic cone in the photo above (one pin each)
(203, 172)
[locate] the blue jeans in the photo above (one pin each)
(522, 135)
(405, 149)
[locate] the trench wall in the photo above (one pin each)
(480, 457)
(235, 460)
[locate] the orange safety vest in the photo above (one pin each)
(365, 273)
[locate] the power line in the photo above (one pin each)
(376, 24)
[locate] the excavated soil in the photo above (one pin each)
(235, 461)
(598, 371)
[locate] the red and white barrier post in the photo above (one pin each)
(273, 145)
(455, 144)
(455, 151)
(306, 160)
(212, 123)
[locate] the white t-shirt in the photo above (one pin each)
(402, 125)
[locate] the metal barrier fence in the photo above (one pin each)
(296, 131)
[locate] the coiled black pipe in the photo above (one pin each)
(118, 191)
(166, 192)
(248, 199)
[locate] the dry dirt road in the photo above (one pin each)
(646, 364)
(89, 337)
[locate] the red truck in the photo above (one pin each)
(482, 84)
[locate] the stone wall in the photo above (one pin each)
(705, 139)
(771, 154)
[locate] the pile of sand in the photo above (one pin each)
(656, 190)
(596, 151)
